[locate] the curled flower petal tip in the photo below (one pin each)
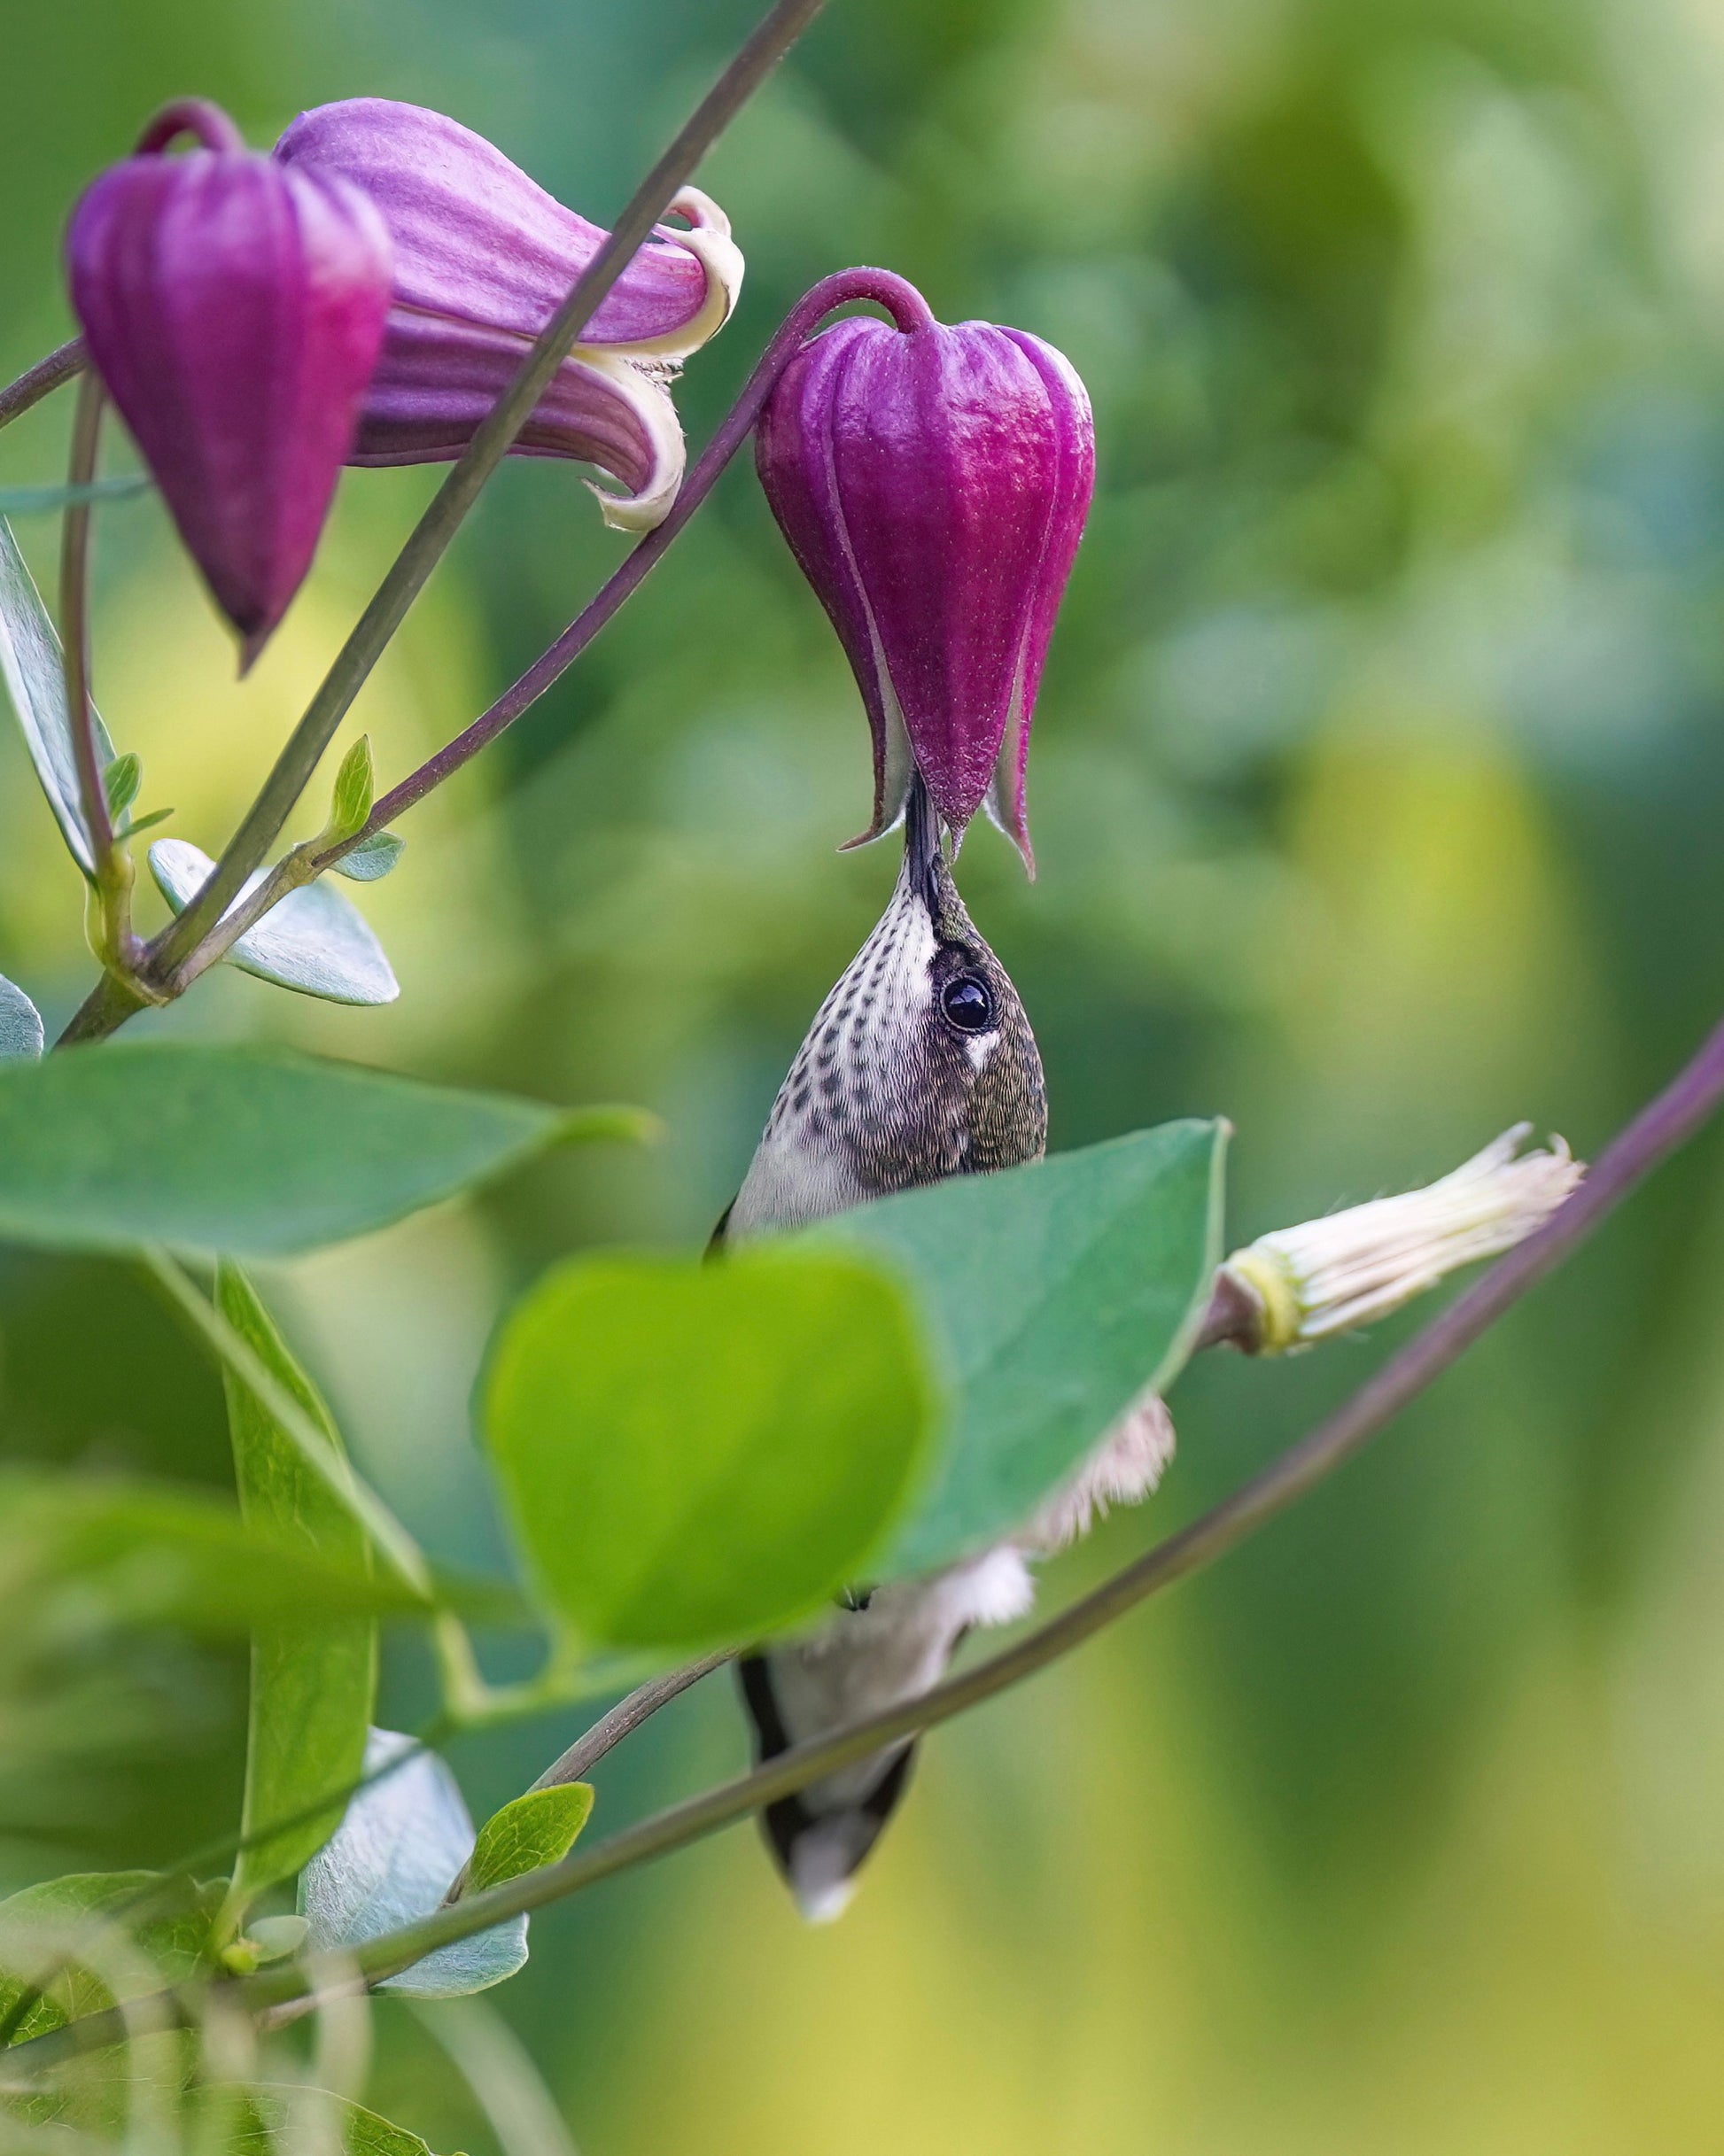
(933, 482)
(235, 312)
(484, 258)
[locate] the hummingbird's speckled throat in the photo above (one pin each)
(921, 1063)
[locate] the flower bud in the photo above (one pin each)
(483, 258)
(933, 482)
(1325, 1276)
(234, 310)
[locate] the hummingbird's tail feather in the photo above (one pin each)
(893, 1647)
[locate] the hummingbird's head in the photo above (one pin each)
(919, 1065)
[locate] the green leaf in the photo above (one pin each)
(313, 940)
(372, 858)
(44, 501)
(1055, 1294)
(405, 1840)
(91, 1937)
(136, 824)
(536, 1829)
(121, 781)
(350, 803)
(159, 1553)
(694, 1453)
(20, 1024)
(313, 1679)
(35, 683)
(254, 1151)
(274, 2121)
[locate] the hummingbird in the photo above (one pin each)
(921, 1063)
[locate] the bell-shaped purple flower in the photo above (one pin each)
(484, 258)
(234, 311)
(933, 482)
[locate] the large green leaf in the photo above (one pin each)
(71, 1946)
(284, 2121)
(696, 1455)
(31, 667)
(254, 1151)
(314, 1677)
(145, 1553)
(530, 1831)
(1055, 1294)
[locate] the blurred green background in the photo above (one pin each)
(1377, 790)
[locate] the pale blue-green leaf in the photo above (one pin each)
(393, 1860)
(372, 857)
(46, 500)
(314, 1677)
(254, 1151)
(20, 1023)
(1055, 1294)
(314, 941)
(31, 667)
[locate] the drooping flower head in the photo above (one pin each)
(234, 309)
(933, 482)
(484, 258)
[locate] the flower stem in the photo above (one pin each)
(907, 308)
(430, 537)
(39, 381)
(1663, 1126)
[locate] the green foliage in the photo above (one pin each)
(313, 940)
(536, 1829)
(74, 1945)
(120, 782)
(312, 1678)
(1055, 1294)
(20, 1023)
(31, 668)
(156, 1553)
(250, 1150)
(356, 784)
(275, 2121)
(696, 1453)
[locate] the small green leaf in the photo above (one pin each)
(1055, 1293)
(372, 858)
(20, 1024)
(136, 824)
(311, 1679)
(405, 1840)
(254, 1151)
(121, 781)
(31, 668)
(45, 500)
(694, 1455)
(314, 941)
(534, 1830)
(139, 1929)
(355, 785)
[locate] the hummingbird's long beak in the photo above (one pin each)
(922, 846)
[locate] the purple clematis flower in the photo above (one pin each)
(933, 482)
(234, 310)
(484, 258)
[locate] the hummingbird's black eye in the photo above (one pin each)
(968, 1002)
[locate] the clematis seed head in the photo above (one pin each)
(484, 258)
(933, 482)
(234, 310)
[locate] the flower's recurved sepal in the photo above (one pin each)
(484, 258)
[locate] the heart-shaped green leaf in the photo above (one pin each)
(533, 1830)
(694, 1454)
